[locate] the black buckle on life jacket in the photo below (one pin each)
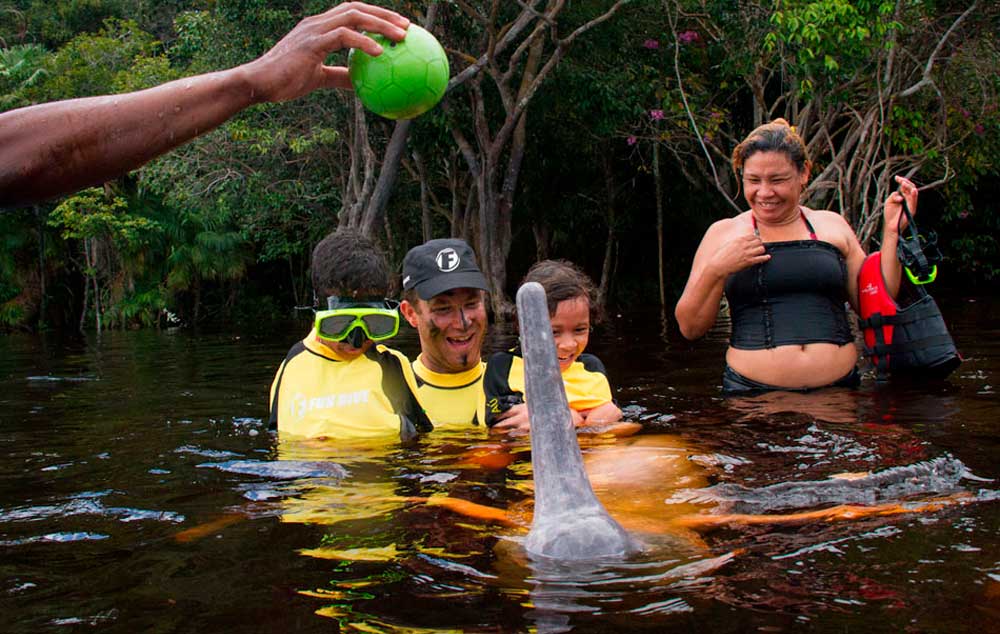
(919, 254)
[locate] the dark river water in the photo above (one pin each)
(141, 491)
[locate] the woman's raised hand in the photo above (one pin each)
(906, 194)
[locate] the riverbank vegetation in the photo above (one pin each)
(595, 131)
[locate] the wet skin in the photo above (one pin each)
(571, 333)
(571, 330)
(772, 185)
(346, 351)
(451, 327)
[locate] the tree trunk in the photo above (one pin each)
(361, 174)
(611, 202)
(375, 201)
(97, 288)
(197, 302)
(86, 285)
(41, 268)
(426, 228)
(390, 241)
(491, 259)
(659, 227)
(495, 205)
(291, 276)
(542, 235)
(227, 308)
(375, 209)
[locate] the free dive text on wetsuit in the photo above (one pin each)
(317, 394)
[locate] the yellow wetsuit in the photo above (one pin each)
(450, 400)
(317, 394)
(585, 380)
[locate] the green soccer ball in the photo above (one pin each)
(406, 80)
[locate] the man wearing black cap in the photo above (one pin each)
(444, 299)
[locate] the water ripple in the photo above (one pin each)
(938, 476)
(85, 506)
(671, 606)
(205, 453)
(55, 538)
(281, 469)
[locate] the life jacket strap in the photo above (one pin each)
(913, 313)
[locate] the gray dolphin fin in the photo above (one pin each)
(569, 521)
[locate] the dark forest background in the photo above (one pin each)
(597, 131)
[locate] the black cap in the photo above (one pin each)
(440, 265)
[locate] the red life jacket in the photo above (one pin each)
(911, 339)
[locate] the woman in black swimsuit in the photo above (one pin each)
(786, 271)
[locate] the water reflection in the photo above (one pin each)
(831, 405)
(149, 497)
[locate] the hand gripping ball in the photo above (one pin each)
(406, 80)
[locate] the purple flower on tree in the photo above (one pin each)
(656, 115)
(631, 140)
(980, 129)
(651, 44)
(688, 37)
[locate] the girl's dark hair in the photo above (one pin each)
(564, 280)
(777, 136)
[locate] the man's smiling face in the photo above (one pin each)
(451, 327)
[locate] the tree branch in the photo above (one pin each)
(926, 78)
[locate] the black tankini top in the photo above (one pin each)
(796, 297)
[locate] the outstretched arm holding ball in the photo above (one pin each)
(52, 149)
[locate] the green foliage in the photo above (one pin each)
(92, 214)
(15, 240)
(232, 33)
(54, 23)
(206, 42)
(21, 68)
(234, 214)
(113, 239)
(907, 129)
(145, 72)
(141, 308)
(210, 252)
(971, 222)
(826, 41)
(90, 64)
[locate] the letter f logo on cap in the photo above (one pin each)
(447, 260)
(441, 265)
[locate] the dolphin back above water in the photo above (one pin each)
(569, 522)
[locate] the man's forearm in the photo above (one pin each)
(55, 148)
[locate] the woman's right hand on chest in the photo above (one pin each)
(737, 253)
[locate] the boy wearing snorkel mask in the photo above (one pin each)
(338, 382)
